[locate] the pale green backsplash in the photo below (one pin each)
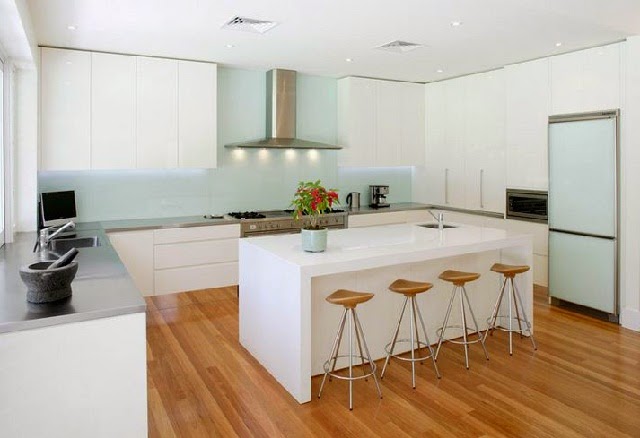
(244, 179)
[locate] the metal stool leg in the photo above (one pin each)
(446, 321)
(510, 296)
(366, 349)
(350, 360)
(475, 322)
(364, 372)
(415, 325)
(426, 337)
(394, 338)
(334, 349)
(526, 319)
(496, 309)
(464, 331)
(412, 319)
(515, 304)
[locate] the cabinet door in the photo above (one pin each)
(588, 80)
(389, 123)
(528, 102)
(412, 117)
(157, 113)
(197, 142)
(113, 94)
(65, 112)
(357, 118)
(436, 154)
(454, 137)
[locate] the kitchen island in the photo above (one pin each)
(288, 327)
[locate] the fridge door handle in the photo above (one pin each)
(578, 233)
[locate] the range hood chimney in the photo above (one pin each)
(281, 116)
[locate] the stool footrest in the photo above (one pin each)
(470, 331)
(373, 367)
(408, 359)
(515, 319)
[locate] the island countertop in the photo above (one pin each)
(102, 287)
(369, 247)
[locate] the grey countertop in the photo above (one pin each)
(102, 287)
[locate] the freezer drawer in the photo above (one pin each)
(582, 270)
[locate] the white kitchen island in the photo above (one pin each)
(286, 324)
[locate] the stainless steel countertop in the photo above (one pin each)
(102, 287)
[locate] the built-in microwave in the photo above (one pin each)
(529, 205)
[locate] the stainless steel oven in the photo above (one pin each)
(528, 205)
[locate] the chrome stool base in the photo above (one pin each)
(413, 341)
(515, 303)
(466, 331)
(351, 317)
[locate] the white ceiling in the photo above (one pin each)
(317, 36)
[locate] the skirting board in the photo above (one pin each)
(630, 319)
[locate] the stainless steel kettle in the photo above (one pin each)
(353, 200)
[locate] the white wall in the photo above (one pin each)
(26, 151)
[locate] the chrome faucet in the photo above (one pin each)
(44, 238)
(439, 218)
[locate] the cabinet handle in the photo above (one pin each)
(446, 186)
(481, 198)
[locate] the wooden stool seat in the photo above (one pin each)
(409, 287)
(509, 270)
(458, 278)
(348, 298)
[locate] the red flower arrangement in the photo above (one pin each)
(311, 199)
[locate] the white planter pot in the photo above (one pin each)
(314, 240)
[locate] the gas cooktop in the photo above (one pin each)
(247, 215)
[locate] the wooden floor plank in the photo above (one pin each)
(583, 381)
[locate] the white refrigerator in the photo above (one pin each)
(583, 210)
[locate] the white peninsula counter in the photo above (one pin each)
(286, 324)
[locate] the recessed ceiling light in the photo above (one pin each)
(72, 27)
(439, 71)
(348, 59)
(230, 46)
(456, 23)
(558, 44)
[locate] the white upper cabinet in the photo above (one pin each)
(197, 89)
(588, 80)
(65, 109)
(412, 113)
(157, 113)
(106, 111)
(357, 119)
(528, 105)
(380, 123)
(113, 105)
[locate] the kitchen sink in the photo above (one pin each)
(63, 245)
(436, 226)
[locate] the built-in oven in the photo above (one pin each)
(529, 205)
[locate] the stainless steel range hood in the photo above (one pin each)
(281, 116)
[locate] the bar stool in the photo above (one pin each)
(459, 279)
(349, 299)
(515, 300)
(410, 289)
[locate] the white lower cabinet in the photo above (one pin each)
(180, 259)
(195, 258)
(388, 218)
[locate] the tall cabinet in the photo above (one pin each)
(465, 144)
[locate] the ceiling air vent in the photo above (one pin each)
(249, 25)
(399, 46)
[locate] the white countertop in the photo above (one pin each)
(364, 248)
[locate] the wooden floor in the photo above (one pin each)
(583, 381)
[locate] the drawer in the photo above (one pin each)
(175, 255)
(195, 277)
(193, 234)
